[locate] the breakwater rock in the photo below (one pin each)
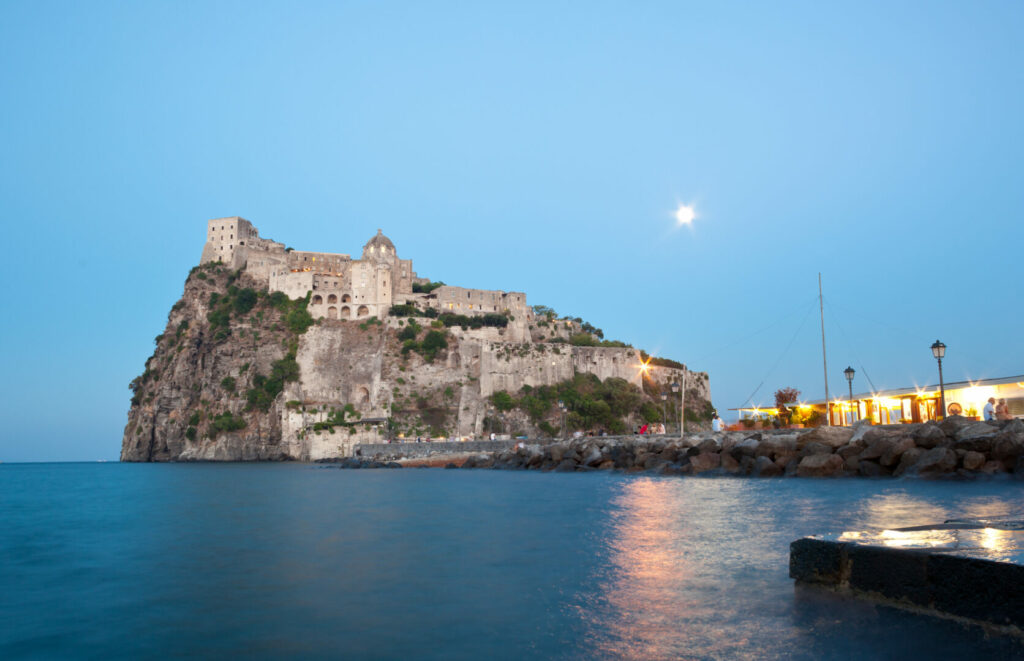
(954, 447)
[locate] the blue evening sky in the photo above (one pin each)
(537, 147)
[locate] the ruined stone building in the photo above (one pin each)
(342, 287)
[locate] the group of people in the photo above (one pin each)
(658, 428)
(996, 411)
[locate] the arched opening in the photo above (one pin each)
(332, 299)
(346, 298)
(363, 395)
(363, 311)
(318, 299)
(332, 312)
(346, 312)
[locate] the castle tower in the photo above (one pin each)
(380, 249)
(226, 240)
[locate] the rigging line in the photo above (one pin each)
(835, 318)
(803, 322)
(784, 317)
(915, 337)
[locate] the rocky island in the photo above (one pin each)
(278, 354)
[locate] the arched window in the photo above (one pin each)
(332, 299)
(332, 312)
(346, 312)
(363, 395)
(318, 299)
(346, 298)
(363, 311)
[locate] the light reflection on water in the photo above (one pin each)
(693, 568)
(256, 561)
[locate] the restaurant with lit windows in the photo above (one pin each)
(904, 405)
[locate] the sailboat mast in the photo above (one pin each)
(824, 360)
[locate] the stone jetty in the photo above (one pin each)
(968, 570)
(954, 447)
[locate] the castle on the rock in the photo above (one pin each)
(342, 287)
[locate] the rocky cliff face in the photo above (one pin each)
(243, 375)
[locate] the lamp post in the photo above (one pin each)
(664, 399)
(676, 387)
(939, 351)
(561, 407)
(849, 372)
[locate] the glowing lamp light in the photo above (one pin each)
(685, 214)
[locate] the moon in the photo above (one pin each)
(685, 214)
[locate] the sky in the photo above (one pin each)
(539, 147)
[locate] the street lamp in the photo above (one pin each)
(849, 380)
(664, 399)
(643, 372)
(939, 351)
(676, 387)
(561, 406)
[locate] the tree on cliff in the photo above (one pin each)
(785, 396)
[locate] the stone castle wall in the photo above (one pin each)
(363, 288)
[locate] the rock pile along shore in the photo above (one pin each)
(956, 446)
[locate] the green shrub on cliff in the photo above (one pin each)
(266, 388)
(225, 422)
(503, 401)
(418, 288)
(405, 310)
(409, 332)
(479, 321)
(245, 300)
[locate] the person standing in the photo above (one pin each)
(1003, 411)
(716, 423)
(989, 412)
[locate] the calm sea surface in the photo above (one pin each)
(111, 561)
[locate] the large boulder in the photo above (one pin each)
(930, 435)
(850, 450)
(1014, 425)
(729, 463)
(833, 437)
(952, 424)
(558, 451)
(974, 429)
(709, 445)
(746, 448)
(593, 457)
(565, 466)
(820, 465)
(772, 446)
(765, 467)
(973, 460)
(877, 448)
(1007, 446)
(908, 459)
(705, 461)
(815, 448)
(892, 456)
(869, 468)
(937, 461)
(654, 461)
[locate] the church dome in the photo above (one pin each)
(379, 247)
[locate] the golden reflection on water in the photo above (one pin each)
(882, 516)
(647, 576)
(654, 599)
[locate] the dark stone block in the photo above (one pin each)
(816, 561)
(893, 573)
(977, 589)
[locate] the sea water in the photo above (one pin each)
(127, 561)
